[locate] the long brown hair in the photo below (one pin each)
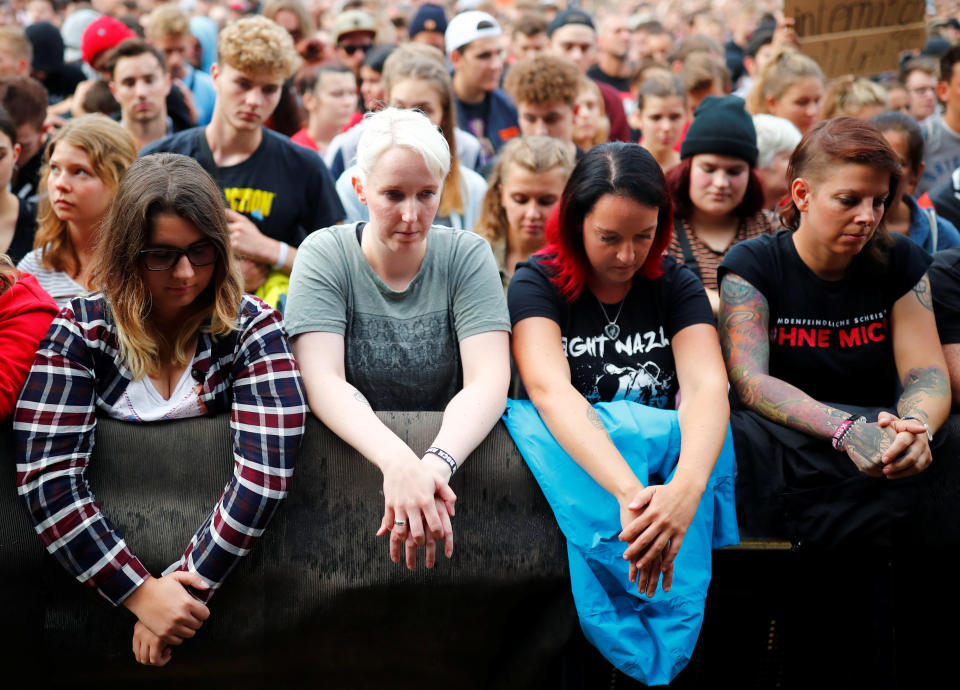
(159, 184)
(111, 149)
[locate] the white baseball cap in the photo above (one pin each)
(467, 27)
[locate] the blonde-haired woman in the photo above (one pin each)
(400, 314)
(854, 97)
(789, 86)
(83, 165)
(169, 335)
(525, 186)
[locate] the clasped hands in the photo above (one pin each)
(654, 520)
(890, 447)
(418, 505)
(167, 615)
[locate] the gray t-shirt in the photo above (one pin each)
(401, 347)
(941, 154)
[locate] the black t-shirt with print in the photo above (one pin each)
(945, 285)
(638, 365)
(285, 189)
(831, 339)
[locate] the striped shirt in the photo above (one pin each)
(78, 370)
(689, 249)
(58, 284)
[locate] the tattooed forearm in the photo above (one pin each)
(785, 404)
(744, 316)
(922, 291)
(920, 388)
(359, 397)
(594, 417)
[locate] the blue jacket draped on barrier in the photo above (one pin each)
(648, 639)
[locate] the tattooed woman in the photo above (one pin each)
(600, 315)
(822, 325)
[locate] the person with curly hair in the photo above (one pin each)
(545, 89)
(277, 191)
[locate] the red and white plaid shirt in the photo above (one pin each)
(78, 368)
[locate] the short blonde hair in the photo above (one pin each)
(396, 128)
(257, 44)
(111, 149)
(167, 20)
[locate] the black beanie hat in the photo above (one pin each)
(721, 126)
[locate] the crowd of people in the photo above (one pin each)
(269, 210)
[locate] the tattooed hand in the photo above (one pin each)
(866, 445)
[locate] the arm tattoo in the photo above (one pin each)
(594, 417)
(359, 397)
(922, 291)
(744, 318)
(919, 386)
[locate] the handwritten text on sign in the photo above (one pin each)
(857, 36)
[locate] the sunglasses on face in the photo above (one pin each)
(165, 259)
(351, 49)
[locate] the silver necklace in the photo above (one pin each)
(611, 330)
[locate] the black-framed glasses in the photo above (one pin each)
(165, 259)
(351, 49)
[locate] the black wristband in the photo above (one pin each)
(445, 456)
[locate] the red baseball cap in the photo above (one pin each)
(103, 34)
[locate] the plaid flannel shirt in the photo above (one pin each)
(251, 372)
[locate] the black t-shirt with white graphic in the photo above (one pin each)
(285, 189)
(831, 339)
(638, 364)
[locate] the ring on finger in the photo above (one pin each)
(399, 523)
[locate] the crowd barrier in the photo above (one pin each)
(319, 604)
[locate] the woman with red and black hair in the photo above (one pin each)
(717, 196)
(602, 315)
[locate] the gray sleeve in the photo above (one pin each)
(478, 301)
(319, 285)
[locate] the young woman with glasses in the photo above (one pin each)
(169, 335)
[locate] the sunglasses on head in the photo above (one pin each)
(351, 49)
(165, 259)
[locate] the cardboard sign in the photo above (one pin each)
(861, 37)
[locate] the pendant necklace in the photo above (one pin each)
(611, 330)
